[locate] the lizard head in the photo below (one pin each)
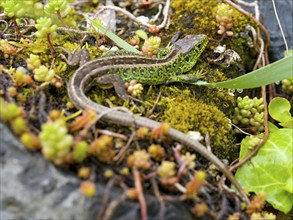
(191, 42)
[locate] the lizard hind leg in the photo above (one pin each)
(116, 81)
(109, 80)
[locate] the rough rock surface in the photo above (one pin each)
(32, 188)
(284, 9)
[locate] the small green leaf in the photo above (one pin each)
(271, 170)
(287, 124)
(279, 109)
(142, 34)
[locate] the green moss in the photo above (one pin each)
(27, 92)
(218, 97)
(203, 14)
(196, 16)
(187, 113)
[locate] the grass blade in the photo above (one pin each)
(120, 42)
(277, 71)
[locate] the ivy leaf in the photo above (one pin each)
(271, 170)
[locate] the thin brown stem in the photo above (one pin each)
(112, 134)
(161, 201)
(63, 22)
(141, 199)
(113, 205)
(106, 198)
(260, 56)
(17, 29)
(132, 17)
(51, 45)
(155, 105)
(120, 155)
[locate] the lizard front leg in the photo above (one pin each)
(184, 78)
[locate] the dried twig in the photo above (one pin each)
(113, 205)
(41, 108)
(106, 198)
(155, 105)
(51, 45)
(6, 26)
(247, 4)
(260, 55)
(244, 132)
(138, 187)
(120, 156)
(111, 133)
(158, 195)
(73, 30)
(132, 17)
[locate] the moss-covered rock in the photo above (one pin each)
(186, 113)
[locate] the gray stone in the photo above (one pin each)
(32, 188)
(284, 9)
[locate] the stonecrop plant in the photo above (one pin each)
(55, 140)
(249, 114)
(45, 26)
(41, 72)
(225, 20)
(19, 9)
(58, 7)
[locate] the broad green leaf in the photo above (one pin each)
(275, 72)
(120, 42)
(279, 109)
(271, 170)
